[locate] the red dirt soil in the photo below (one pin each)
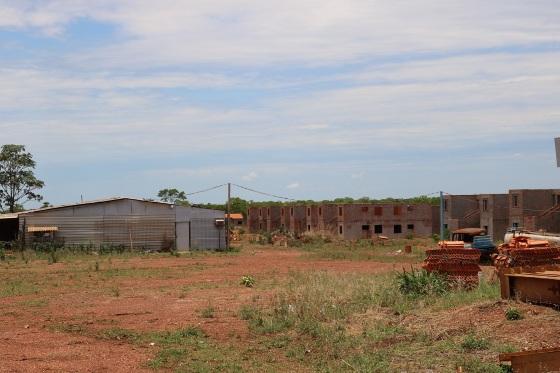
(160, 293)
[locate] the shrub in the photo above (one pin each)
(248, 281)
(513, 313)
(207, 312)
(421, 283)
(248, 312)
(472, 343)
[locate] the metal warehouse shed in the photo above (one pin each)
(133, 223)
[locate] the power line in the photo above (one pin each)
(206, 190)
(264, 193)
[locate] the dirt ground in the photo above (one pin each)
(163, 293)
(44, 311)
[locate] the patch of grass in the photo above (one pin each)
(167, 358)
(474, 343)
(207, 312)
(14, 288)
(484, 292)
(475, 365)
(69, 328)
(513, 313)
(34, 303)
(391, 251)
(322, 309)
(382, 332)
(419, 283)
(120, 334)
(248, 312)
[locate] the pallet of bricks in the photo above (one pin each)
(453, 260)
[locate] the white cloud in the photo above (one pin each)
(358, 175)
(251, 176)
(406, 104)
(316, 32)
(294, 185)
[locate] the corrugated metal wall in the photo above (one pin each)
(138, 232)
(205, 235)
(129, 222)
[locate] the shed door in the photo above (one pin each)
(182, 233)
(206, 235)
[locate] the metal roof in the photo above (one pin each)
(104, 200)
(9, 216)
(235, 216)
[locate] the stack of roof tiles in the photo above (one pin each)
(457, 264)
(524, 252)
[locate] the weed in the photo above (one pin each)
(248, 281)
(69, 328)
(53, 257)
(192, 331)
(247, 312)
(167, 358)
(473, 343)
(513, 313)
(14, 288)
(421, 283)
(207, 312)
(475, 365)
(34, 303)
(120, 334)
(115, 291)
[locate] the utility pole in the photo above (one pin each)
(441, 226)
(228, 212)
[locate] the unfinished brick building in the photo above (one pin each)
(531, 209)
(327, 218)
(312, 218)
(494, 214)
(461, 211)
(392, 220)
(355, 221)
(535, 209)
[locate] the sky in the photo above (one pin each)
(303, 99)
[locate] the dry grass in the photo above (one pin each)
(306, 320)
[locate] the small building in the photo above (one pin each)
(235, 219)
(120, 221)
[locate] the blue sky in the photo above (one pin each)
(307, 99)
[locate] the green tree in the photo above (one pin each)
(18, 183)
(172, 195)
(239, 205)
